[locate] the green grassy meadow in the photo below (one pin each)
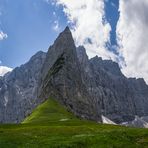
(52, 126)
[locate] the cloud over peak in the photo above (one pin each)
(132, 37)
(88, 25)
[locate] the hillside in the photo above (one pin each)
(50, 112)
(52, 126)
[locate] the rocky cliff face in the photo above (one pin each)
(18, 90)
(61, 78)
(88, 88)
(120, 98)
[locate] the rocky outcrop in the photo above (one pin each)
(18, 90)
(62, 79)
(119, 98)
(91, 89)
(114, 95)
(137, 122)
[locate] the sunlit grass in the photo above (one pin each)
(51, 125)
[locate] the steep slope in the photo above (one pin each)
(18, 90)
(48, 112)
(120, 98)
(115, 98)
(61, 79)
(123, 98)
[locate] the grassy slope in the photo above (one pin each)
(50, 112)
(47, 127)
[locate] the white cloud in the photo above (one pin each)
(4, 70)
(88, 27)
(56, 26)
(3, 35)
(132, 33)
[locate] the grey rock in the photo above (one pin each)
(62, 78)
(119, 98)
(137, 122)
(88, 88)
(18, 90)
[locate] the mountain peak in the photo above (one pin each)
(62, 78)
(64, 40)
(67, 29)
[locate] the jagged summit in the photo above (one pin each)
(65, 38)
(67, 29)
(107, 65)
(61, 78)
(63, 46)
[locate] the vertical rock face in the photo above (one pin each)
(119, 98)
(62, 78)
(140, 96)
(116, 100)
(18, 90)
(88, 88)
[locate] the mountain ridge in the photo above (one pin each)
(89, 88)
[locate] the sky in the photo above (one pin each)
(112, 29)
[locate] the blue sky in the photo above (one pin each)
(111, 29)
(30, 26)
(112, 16)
